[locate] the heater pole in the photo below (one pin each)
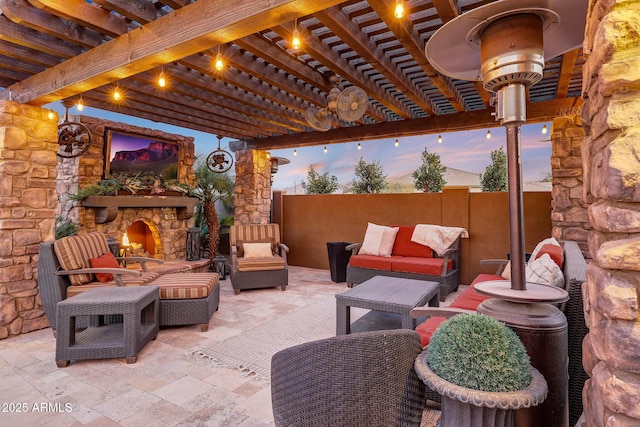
(516, 209)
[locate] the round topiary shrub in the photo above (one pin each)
(479, 352)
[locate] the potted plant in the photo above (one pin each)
(482, 370)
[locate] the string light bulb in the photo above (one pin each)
(325, 148)
(359, 146)
(295, 41)
(117, 96)
(397, 142)
(488, 134)
(80, 105)
(162, 79)
(50, 115)
(439, 139)
(544, 129)
(398, 10)
(295, 152)
(219, 64)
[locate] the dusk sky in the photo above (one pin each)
(467, 150)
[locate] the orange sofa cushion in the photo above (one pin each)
(555, 252)
(432, 266)
(373, 262)
(403, 245)
(468, 300)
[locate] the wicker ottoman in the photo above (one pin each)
(138, 307)
(188, 298)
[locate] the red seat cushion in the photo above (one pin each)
(403, 245)
(104, 261)
(432, 266)
(469, 300)
(371, 261)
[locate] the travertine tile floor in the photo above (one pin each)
(166, 386)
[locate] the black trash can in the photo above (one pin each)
(338, 260)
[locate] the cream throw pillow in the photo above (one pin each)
(544, 270)
(257, 250)
(378, 240)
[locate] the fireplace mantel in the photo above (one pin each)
(107, 206)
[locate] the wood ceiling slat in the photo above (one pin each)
(23, 13)
(88, 15)
(566, 72)
(22, 36)
(332, 60)
(196, 27)
(341, 25)
(142, 11)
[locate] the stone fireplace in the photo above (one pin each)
(157, 224)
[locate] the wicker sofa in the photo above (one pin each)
(408, 260)
(574, 270)
(64, 270)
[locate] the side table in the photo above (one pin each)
(138, 307)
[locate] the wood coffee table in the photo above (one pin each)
(389, 294)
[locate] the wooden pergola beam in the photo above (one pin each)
(187, 31)
(536, 112)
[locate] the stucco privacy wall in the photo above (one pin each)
(611, 87)
(310, 221)
(28, 145)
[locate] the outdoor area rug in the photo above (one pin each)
(250, 352)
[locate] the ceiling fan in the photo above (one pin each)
(350, 105)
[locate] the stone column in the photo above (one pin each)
(569, 218)
(611, 151)
(28, 145)
(252, 200)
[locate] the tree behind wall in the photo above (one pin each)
(495, 176)
(319, 184)
(429, 177)
(369, 179)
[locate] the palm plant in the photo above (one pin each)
(212, 187)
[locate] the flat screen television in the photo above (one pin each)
(130, 154)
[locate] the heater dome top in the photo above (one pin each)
(454, 50)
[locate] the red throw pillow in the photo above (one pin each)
(554, 251)
(104, 261)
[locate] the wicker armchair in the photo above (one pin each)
(264, 271)
(362, 379)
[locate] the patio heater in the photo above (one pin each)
(504, 44)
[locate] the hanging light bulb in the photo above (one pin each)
(295, 42)
(398, 10)
(359, 146)
(397, 142)
(80, 105)
(325, 148)
(295, 152)
(544, 129)
(219, 64)
(439, 139)
(50, 115)
(162, 79)
(488, 134)
(117, 96)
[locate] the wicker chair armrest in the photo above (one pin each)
(354, 248)
(116, 272)
(446, 254)
(141, 260)
(427, 311)
(234, 257)
(501, 264)
(282, 251)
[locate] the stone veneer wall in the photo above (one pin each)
(569, 218)
(611, 151)
(168, 232)
(28, 145)
(252, 200)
